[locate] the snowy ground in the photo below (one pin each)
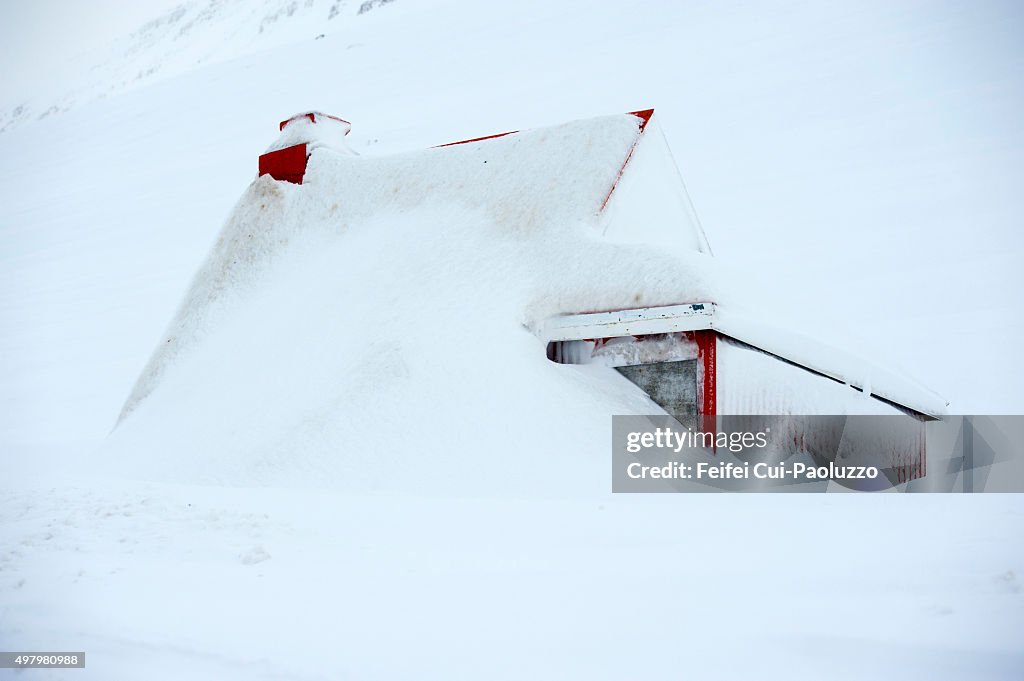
(861, 164)
(168, 581)
(213, 584)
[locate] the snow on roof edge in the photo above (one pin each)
(814, 355)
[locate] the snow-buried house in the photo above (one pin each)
(361, 315)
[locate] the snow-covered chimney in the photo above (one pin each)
(286, 158)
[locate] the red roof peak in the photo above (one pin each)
(313, 116)
(644, 116)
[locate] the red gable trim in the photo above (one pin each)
(645, 118)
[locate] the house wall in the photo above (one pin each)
(749, 381)
(671, 385)
(752, 382)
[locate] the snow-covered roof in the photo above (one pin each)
(790, 345)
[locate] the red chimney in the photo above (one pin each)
(300, 134)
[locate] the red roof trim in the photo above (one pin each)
(477, 139)
(644, 115)
(645, 118)
(312, 115)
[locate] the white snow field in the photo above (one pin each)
(359, 464)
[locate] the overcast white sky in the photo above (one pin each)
(44, 39)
